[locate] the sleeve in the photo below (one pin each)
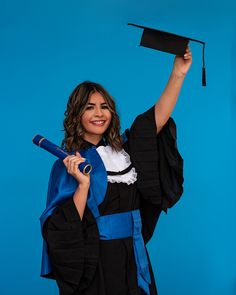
(73, 247)
(159, 166)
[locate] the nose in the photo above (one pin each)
(98, 112)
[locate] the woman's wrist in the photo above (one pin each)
(83, 186)
(177, 74)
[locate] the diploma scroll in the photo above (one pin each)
(52, 148)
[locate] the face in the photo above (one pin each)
(96, 118)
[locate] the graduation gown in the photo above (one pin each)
(84, 264)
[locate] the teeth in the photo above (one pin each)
(98, 122)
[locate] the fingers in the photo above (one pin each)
(72, 162)
(188, 53)
(69, 157)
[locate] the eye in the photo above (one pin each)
(89, 108)
(105, 107)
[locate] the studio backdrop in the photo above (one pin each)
(47, 48)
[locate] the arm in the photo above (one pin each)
(80, 198)
(166, 103)
(81, 193)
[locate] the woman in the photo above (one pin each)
(95, 227)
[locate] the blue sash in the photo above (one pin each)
(123, 225)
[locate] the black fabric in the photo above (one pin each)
(126, 170)
(86, 144)
(73, 247)
(157, 160)
(164, 41)
(83, 264)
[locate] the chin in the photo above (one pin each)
(99, 132)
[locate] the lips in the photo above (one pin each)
(98, 122)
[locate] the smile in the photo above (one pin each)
(98, 123)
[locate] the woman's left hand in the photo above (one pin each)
(182, 63)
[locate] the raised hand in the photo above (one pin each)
(182, 63)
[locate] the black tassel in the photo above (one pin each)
(203, 76)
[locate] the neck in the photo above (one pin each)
(94, 139)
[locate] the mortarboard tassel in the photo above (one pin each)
(203, 66)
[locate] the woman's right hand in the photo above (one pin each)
(72, 162)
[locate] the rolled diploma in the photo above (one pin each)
(52, 148)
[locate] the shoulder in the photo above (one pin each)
(57, 164)
(144, 119)
(58, 168)
(125, 136)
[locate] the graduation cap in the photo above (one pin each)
(168, 42)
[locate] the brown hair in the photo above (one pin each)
(73, 128)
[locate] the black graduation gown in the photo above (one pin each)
(83, 264)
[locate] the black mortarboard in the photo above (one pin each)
(170, 43)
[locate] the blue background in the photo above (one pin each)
(47, 48)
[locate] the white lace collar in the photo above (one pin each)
(115, 162)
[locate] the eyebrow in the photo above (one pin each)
(93, 104)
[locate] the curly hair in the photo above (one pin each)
(76, 105)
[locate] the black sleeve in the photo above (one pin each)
(159, 166)
(150, 214)
(73, 247)
(157, 160)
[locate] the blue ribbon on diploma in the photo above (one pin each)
(52, 148)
